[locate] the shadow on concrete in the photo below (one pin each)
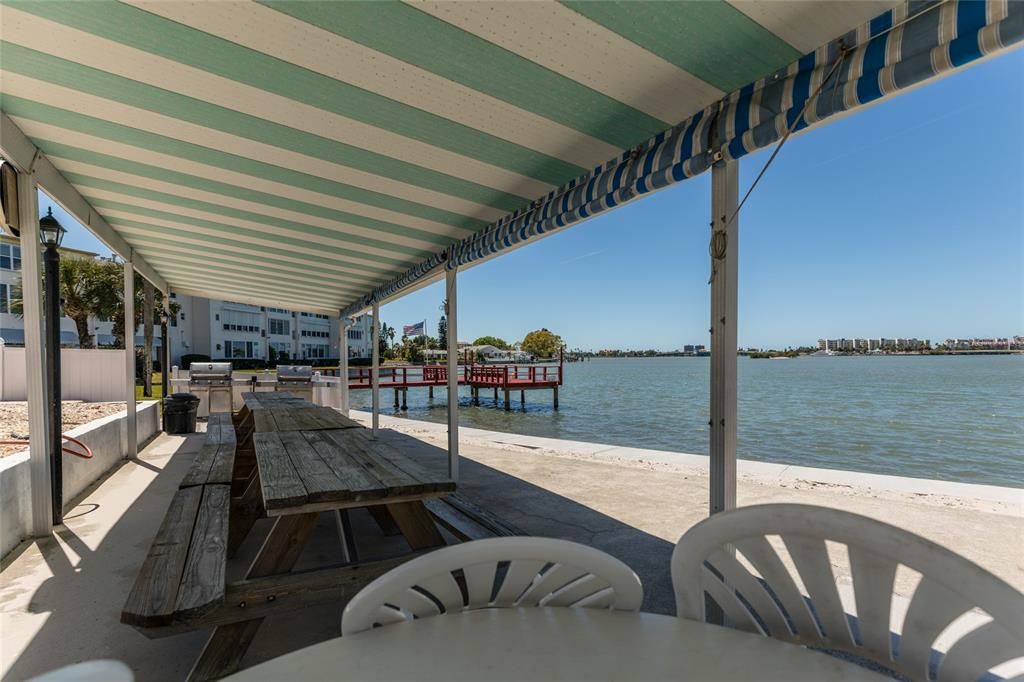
(95, 558)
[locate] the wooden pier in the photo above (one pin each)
(502, 379)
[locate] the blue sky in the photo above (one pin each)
(906, 219)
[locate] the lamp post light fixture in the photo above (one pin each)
(51, 234)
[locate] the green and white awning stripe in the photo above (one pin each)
(899, 49)
(345, 148)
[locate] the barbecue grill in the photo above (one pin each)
(296, 379)
(211, 382)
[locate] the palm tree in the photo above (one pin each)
(84, 292)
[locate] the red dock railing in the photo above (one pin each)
(481, 375)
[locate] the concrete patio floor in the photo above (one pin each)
(61, 597)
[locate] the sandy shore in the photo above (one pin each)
(664, 493)
(14, 419)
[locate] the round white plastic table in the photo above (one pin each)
(553, 644)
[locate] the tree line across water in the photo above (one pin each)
(540, 343)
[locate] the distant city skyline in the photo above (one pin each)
(903, 221)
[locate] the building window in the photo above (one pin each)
(280, 327)
(10, 257)
(355, 334)
(240, 349)
(5, 303)
(314, 351)
(284, 349)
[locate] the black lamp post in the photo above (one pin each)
(51, 234)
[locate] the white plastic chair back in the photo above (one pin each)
(104, 670)
(773, 605)
(497, 572)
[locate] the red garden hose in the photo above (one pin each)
(87, 454)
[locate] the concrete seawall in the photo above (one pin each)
(108, 439)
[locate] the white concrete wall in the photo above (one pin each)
(108, 439)
(93, 375)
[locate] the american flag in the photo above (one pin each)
(414, 330)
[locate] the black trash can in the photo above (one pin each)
(180, 413)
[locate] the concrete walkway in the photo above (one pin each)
(61, 597)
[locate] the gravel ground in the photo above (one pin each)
(14, 419)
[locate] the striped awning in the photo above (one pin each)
(322, 155)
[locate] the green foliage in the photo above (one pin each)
(188, 358)
(95, 288)
(442, 332)
(542, 343)
(492, 341)
(411, 349)
(387, 338)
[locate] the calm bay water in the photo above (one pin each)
(955, 418)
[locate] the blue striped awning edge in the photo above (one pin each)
(915, 42)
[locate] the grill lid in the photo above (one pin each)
(294, 373)
(209, 371)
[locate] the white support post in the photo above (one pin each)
(129, 357)
(343, 367)
(35, 371)
(724, 262)
(375, 368)
(451, 311)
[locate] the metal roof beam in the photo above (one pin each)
(27, 158)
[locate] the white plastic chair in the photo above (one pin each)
(950, 586)
(536, 572)
(103, 670)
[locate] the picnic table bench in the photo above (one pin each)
(182, 576)
(272, 466)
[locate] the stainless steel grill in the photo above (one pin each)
(211, 381)
(209, 373)
(296, 379)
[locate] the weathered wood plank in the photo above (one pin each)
(319, 479)
(263, 421)
(202, 581)
(223, 466)
(245, 510)
(416, 524)
(496, 524)
(353, 477)
(462, 527)
(467, 521)
(279, 481)
(228, 644)
(200, 469)
(398, 459)
(153, 598)
(362, 451)
(284, 420)
(219, 428)
(215, 460)
(328, 418)
(304, 418)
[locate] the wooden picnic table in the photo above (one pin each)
(277, 419)
(309, 460)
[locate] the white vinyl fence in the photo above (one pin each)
(91, 375)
